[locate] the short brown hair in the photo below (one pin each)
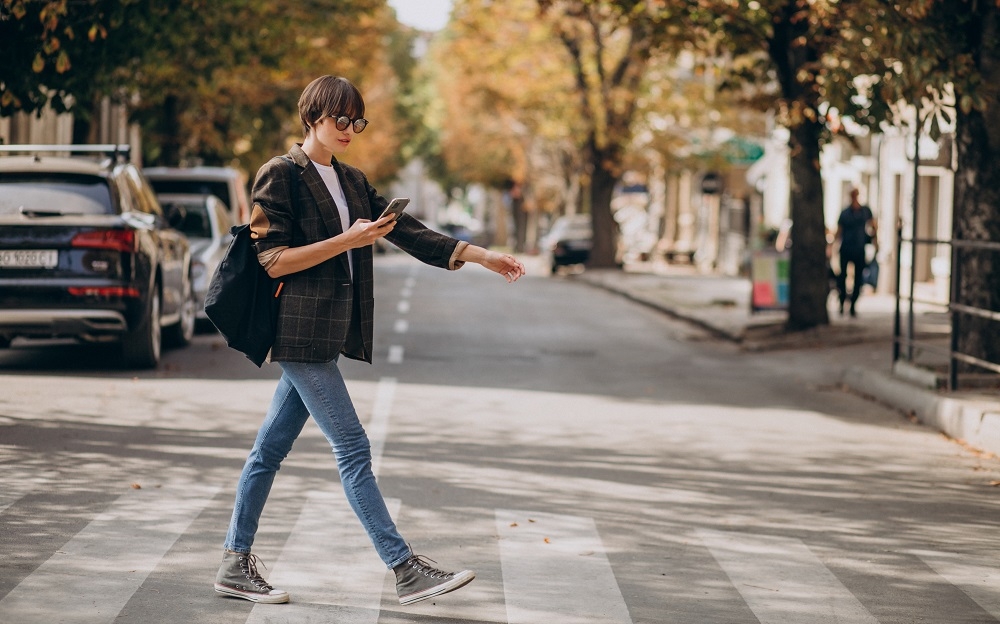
(329, 96)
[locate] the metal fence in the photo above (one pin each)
(910, 341)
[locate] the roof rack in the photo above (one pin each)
(111, 149)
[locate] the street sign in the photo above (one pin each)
(711, 183)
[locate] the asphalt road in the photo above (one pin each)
(592, 460)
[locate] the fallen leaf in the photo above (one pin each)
(136, 486)
(513, 524)
(547, 541)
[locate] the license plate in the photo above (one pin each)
(28, 258)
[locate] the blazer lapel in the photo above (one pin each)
(321, 195)
(353, 205)
(350, 192)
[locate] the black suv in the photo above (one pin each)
(86, 252)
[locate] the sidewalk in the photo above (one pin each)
(721, 305)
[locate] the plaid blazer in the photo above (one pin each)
(323, 312)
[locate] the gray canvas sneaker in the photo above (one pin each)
(417, 580)
(238, 576)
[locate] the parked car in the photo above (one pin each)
(569, 241)
(206, 222)
(226, 183)
(87, 252)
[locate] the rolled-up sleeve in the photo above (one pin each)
(454, 263)
(271, 219)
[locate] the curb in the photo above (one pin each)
(763, 334)
(976, 423)
(714, 329)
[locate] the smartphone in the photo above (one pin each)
(395, 207)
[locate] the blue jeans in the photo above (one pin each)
(316, 389)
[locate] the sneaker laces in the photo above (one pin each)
(422, 565)
(250, 571)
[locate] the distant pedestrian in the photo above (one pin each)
(320, 244)
(856, 228)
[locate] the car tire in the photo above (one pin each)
(4, 342)
(142, 344)
(182, 333)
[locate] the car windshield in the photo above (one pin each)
(54, 194)
(165, 186)
(578, 227)
(196, 223)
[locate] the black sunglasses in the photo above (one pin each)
(343, 121)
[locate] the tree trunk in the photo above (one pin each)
(169, 129)
(977, 199)
(792, 50)
(520, 217)
(809, 287)
(602, 185)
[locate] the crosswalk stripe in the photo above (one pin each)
(328, 561)
(94, 574)
(782, 581)
(979, 582)
(555, 569)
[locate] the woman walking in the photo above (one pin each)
(314, 221)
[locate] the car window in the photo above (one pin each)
(567, 227)
(144, 200)
(194, 187)
(196, 223)
(54, 193)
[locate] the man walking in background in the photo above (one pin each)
(855, 229)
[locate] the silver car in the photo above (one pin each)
(226, 183)
(206, 223)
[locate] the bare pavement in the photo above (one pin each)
(858, 349)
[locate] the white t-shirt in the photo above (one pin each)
(329, 175)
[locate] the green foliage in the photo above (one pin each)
(215, 81)
(62, 53)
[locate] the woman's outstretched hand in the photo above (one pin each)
(503, 263)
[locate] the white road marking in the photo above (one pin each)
(403, 307)
(378, 426)
(410, 281)
(395, 354)
(401, 326)
(94, 574)
(329, 567)
(406, 292)
(555, 569)
(979, 582)
(782, 581)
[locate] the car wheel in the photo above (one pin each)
(141, 346)
(182, 333)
